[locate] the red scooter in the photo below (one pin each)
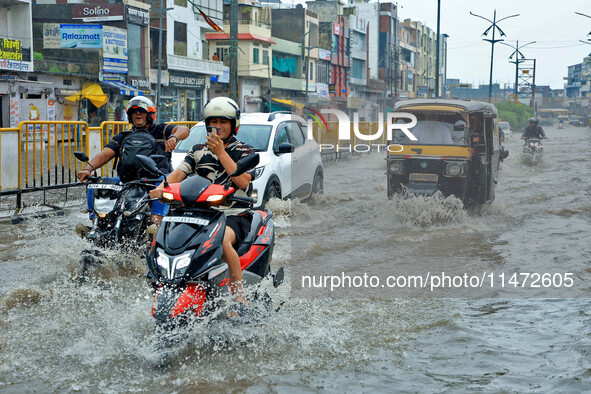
(185, 264)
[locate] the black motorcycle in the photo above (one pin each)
(122, 214)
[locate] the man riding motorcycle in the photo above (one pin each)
(533, 130)
(141, 113)
(216, 160)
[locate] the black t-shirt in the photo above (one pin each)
(160, 132)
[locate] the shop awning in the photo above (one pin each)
(91, 91)
(125, 89)
(289, 103)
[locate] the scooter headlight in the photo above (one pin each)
(182, 261)
(163, 261)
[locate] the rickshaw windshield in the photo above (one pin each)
(435, 129)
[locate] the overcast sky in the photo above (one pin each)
(553, 24)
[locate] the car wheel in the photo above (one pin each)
(273, 191)
(318, 185)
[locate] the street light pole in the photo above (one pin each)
(307, 66)
(493, 41)
(159, 84)
(308, 47)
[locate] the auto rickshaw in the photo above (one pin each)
(456, 152)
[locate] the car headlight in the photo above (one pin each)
(396, 166)
(258, 172)
(454, 169)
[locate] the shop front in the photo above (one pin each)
(182, 100)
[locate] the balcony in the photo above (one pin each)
(251, 27)
(286, 83)
(194, 65)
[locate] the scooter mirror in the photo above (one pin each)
(148, 164)
(246, 164)
(81, 156)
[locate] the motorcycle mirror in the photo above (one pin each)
(81, 156)
(245, 164)
(148, 164)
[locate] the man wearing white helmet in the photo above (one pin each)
(161, 138)
(215, 160)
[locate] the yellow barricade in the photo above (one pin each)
(45, 152)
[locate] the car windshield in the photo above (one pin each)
(197, 136)
(435, 129)
(504, 125)
(255, 135)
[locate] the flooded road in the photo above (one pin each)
(60, 335)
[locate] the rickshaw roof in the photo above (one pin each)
(466, 105)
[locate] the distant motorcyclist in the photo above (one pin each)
(533, 130)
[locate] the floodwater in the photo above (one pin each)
(61, 335)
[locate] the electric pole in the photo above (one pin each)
(492, 41)
(234, 50)
(519, 58)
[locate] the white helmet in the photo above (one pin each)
(222, 107)
(144, 103)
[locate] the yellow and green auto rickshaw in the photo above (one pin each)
(456, 151)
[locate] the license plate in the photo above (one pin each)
(423, 177)
(185, 219)
(106, 186)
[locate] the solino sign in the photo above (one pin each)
(344, 133)
(94, 13)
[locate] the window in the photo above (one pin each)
(255, 55)
(134, 49)
(223, 55)
(180, 38)
(182, 3)
(281, 137)
(265, 57)
(322, 75)
(297, 138)
(358, 68)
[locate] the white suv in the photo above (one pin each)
(290, 164)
